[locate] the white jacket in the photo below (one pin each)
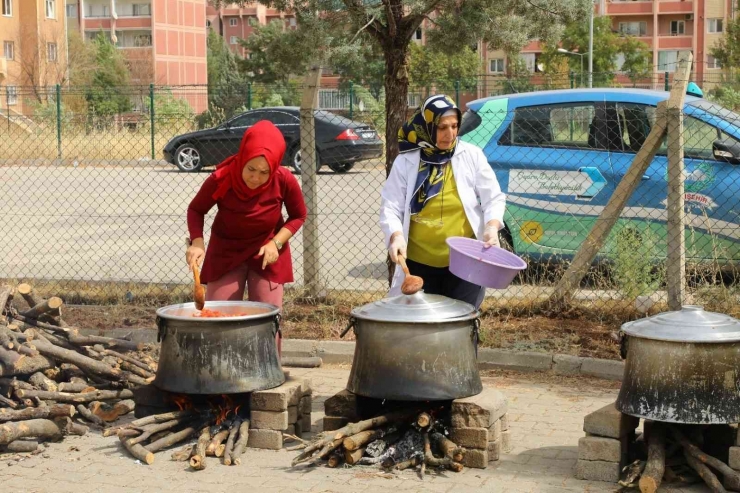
(479, 191)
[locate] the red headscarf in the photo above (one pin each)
(262, 139)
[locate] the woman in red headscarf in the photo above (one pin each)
(249, 237)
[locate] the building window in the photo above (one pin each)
(142, 9)
(292, 22)
(714, 25)
(142, 40)
(11, 95)
(497, 66)
(51, 9)
(667, 61)
(417, 34)
(678, 28)
(51, 52)
(97, 10)
(9, 50)
(529, 61)
(208, 23)
(233, 22)
(713, 62)
(234, 40)
(8, 7)
(71, 10)
(637, 28)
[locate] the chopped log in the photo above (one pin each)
(6, 293)
(51, 307)
(150, 430)
(26, 350)
(56, 411)
(12, 384)
(26, 291)
(160, 435)
(78, 387)
(300, 362)
(112, 413)
(335, 459)
(173, 439)
(217, 440)
(219, 452)
(20, 446)
(731, 477)
(351, 457)
(129, 359)
(652, 475)
(85, 413)
(183, 454)
(406, 464)
(32, 428)
(8, 402)
(69, 427)
(704, 473)
(32, 334)
(159, 418)
(432, 461)
(241, 444)
(198, 460)
(135, 370)
(28, 365)
(10, 358)
(447, 447)
(39, 380)
(60, 341)
(82, 397)
(358, 440)
(233, 432)
(83, 362)
(137, 451)
(423, 420)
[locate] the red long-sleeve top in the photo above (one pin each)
(242, 227)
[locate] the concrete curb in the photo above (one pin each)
(341, 352)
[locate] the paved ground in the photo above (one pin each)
(546, 421)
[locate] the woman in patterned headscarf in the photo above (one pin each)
(439, 187)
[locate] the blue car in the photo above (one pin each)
(560, 154)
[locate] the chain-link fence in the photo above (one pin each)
(95, 185)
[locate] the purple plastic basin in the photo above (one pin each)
(490, 267)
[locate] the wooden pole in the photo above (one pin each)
(676, 238)
(309, 158)
(626, 187)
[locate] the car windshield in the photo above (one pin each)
(717, 110)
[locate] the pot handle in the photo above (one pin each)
(623, 344)
(475, 333)
(276, 323)
(349, 326)
(161, 328)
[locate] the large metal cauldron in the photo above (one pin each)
(682, 367)
(415, 348)
(218, 355)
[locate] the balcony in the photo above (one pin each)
(680, 7)
(629, 8)
(670, 42)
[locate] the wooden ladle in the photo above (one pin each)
(411, 284)
(199, 292)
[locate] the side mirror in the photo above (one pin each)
(726, 150)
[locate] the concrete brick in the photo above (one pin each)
(737, 437)
(332, 423)
(494, 450)
(342, 404)
(490, 359)
(600, 448)
(266, 439)
(734, 461)
(290, 430)
(292, 414)
(306, 387)
(475, 458)
(277, 399)
(610, 423)
(306, 423)
(505, 422)
(603, 368)
(494, 431)
(269, 420)
(470, 437)
(479, 411)
(304, 406)
(298, 428)
(565, 364)
(597, 470)
(506, 441)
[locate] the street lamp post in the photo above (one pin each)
(563, 50)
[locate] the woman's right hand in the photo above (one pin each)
(397, 247)
(195, 253)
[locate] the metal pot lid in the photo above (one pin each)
(690, 324)
(240, 311)
(419, 307)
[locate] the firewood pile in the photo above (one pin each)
(679, 455)
(395, 441)
(55, 381)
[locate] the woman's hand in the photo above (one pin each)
(269, 253)
(490, 234)
(397, 247)
(195, 253)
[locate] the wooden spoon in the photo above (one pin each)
(411, 284)
(199, 292)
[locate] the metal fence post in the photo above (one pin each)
(151, 115)
(59, 121)
(572, 80)
(667, 86)
(457, 93)
(7, 104)
(249, 95)
(351, 99)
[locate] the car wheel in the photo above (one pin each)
(341, 167)
(296, 161)
(188, 158)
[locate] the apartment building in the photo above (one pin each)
(164, 40)
(233, 22)
(666, 26)
(34, 50)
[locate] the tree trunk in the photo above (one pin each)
(396, 95)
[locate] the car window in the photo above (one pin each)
(635, 124)
(247, 119)
(578, 125)
(280, 118)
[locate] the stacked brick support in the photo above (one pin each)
(284, 409)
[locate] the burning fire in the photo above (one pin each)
(222, 406)
(182, 401)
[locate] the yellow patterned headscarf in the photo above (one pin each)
(420, 132)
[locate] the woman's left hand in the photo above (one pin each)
(269, 253)
(490, 234)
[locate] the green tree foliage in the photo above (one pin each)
(227, 85)
(430, 68)
(104, 96)
(638, 61)
(727, 53)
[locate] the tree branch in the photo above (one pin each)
(543, 9)
(392, 28)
